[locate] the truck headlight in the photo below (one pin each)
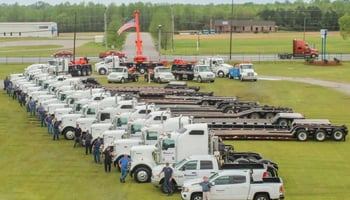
(185, 189)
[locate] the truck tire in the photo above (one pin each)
(254, 116)
(142, 70)
(338, 135)
(229, 111)
(142, 175)
(102, 71)
(221, 74)
(199, 79)
(197, 196)
(122, 80)
(302, 135)
(320, 135)
(205, 103)
(282, 123)
(158, 80)
(261, 196)
(269, 115)
(68, 133)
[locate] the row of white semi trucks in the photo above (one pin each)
(153, 135)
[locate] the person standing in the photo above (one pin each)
(48, 122)
(107, 156)
(206, 185)
(56, 126)
(123, 165)
(32, 105)
(41, 114)
(87, 142)
(168, 177)
(96, 147)
(77, 136)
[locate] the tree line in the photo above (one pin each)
(90, 17)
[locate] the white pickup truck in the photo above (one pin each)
(233, 184)
(197, 166)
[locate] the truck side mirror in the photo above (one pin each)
(183, 168)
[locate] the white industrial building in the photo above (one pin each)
(28, 29)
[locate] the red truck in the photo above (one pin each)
(110, 53)
(301, 49)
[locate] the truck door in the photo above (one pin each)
(167, 151)
(195, 72)
(230, 187)
(206, 168)
(187, 171)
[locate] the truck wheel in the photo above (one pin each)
(142, 175)
(320, 135)
(221, 74)
(302, 135)
(229, 111)
(158, 80)
(197, 196)
(68, 133)
(122, 80)
(338, 135)
(241, 78)
(199, 79)
(142, 71)
(102, 71)
(261, 197)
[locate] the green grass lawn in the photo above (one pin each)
(35, 167)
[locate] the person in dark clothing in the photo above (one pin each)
(168, 177)
(77, 136)
(56, 126)
(96, 147)
(48, 122)
(6, 82)
(107, 157)
(87, 142)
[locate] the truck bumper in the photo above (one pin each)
(155, 181)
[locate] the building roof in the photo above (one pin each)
(244, 23)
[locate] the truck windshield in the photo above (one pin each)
(164, 69)
(168, 143)
(122, 121)
(213, 177)
(152, 135)
(246, 66)
(219, 62)
(117, 69)
(179, 164)
(204, 69)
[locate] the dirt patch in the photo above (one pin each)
(332, 63)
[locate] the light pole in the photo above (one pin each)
(172, 28)
(105, 28)
(304, 27)
(159, 39)
(231, 30)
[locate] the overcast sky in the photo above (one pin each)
(106, 2)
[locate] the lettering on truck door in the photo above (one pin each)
(230, 187)
(187, 171)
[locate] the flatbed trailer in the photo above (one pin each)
(300, 129)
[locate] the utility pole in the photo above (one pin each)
(304, 27)
(172, 28)
(159, 39)
(231, 30)
(105, 28)
(75, 34)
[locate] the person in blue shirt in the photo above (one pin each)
(41, 114)
(168, 177)
(56, 126)
(124, 163)
(96, 147)
(48, 122)
(206, 185)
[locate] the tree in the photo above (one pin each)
(344, 24)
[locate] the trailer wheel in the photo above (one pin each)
(338, 135)
(283, 123)
(320, 135)
(261, 196)
(229, 111)
(205, 103)
(142, 175)
(302, 135)
(254, 116)
(102, 71)
(269, 115)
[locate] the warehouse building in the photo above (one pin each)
(244, 26)
(28, 29)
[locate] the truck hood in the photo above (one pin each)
(226, 65)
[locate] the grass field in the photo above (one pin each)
(34, 167)
(218, 44)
